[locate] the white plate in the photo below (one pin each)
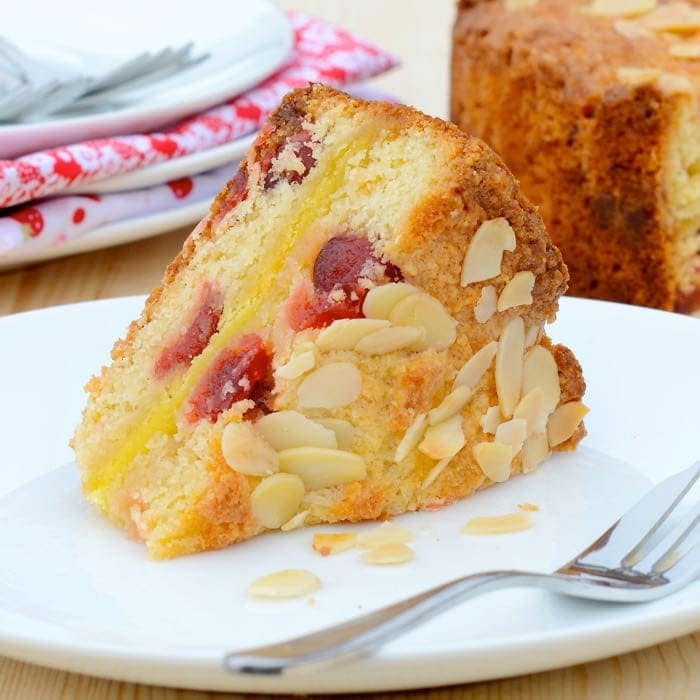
(169, 170)
(127, 231)
(76, 595)
(247, 40)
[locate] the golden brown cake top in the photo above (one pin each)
(596, 44)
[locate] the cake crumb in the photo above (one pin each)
(531, 507)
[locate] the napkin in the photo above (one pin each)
(323, 53)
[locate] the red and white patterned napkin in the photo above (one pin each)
(323, 53)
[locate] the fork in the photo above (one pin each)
(634, 561)
(38, 93)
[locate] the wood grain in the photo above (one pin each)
(418, 32)
(665, 672)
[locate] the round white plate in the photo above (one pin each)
(127, 231)
(76, 594)
(170, 169)
(247, 40)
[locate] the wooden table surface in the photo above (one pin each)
(418, 32)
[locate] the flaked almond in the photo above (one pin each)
(443, 440)
(535, 451)
(411, 437)
(490, 421)
(288, 583)
(344, 431)
(517, 292)
(532, 335)
(333, 542)
(675, 18)
(495, 459)
(435, 472)
(299, 520)
(632, 29)
(674, 84)
(636, 77)
(453, 403)
(564, 422)
(509, 365)
(529, 507)
(380, 301)
(386, 533)
(388, 554)
(420, 310)
(320, 467)
(297, 365)
(246, 451)
(621, 8)
(498, 524)
(685, 50)
(390, 339)
(346, 333)
(513, 433)
(475, 367)
(532, 409)
(276, 499)
(330, 386)
(285, 429)
(512, 5)
(540, 371)
(486, 306)
(485, 253)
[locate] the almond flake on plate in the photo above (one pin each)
(498, 524)
(327, 543)
(386, 533)
(288, 583)
(388, 554)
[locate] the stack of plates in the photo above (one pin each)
(245, 41)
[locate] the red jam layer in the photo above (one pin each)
(238, 373)
(337, 293)
(196, 336)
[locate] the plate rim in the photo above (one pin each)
(534, 652)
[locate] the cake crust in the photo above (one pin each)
(586, 111)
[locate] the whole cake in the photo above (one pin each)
(593, 104)
(354, 331)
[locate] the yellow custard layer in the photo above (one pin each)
(162, 417)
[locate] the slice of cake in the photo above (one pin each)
(593, 104)
(354, 331)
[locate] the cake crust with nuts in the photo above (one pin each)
(593, 105)
(315, 355)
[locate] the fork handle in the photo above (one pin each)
(367, 633)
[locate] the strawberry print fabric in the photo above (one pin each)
(322, 53)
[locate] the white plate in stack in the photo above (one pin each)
(246, 41)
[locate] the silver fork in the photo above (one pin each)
(38, 94)
(632, 562)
